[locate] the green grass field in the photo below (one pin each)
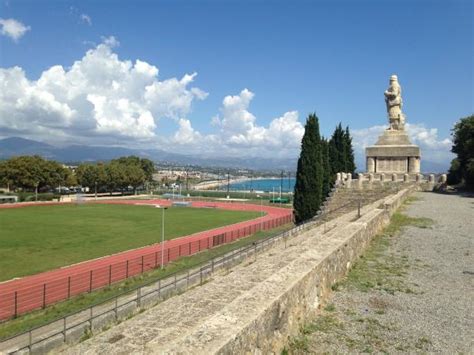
(40, 238)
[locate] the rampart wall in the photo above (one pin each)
(256, 306)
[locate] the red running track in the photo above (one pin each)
(19, 296)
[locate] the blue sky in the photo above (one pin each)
(295, 57)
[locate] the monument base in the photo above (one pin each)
(393, 153)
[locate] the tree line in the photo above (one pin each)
(34, 172)
(462, 167)
(319, 162)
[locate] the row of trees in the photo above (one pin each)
(320, 159)
(118, 174)
(34, 172)
(462, 167)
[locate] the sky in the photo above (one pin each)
(232, 78)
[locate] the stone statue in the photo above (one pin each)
(393, 99)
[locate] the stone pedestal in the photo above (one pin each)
(393, 153)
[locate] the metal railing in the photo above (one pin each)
(127, 303)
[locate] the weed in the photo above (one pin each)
(330, 307)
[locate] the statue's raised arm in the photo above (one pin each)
(393, 99)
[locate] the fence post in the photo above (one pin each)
(139, 297)
(126, 273)
(90, 281)
(156, 259)
(358, 209)
(175, 284)
(64, 328)
(168, 256)
(189, 253)
(69, 287)
(44, 295)
(110, 274)
(90, 317)
(116, 308)
(143, 263)
(16, 304)
(212, 265)
(30, 340)
(200, 274)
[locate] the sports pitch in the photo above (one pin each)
(41, 238)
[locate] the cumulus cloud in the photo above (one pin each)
(13, 28)
(240, 135)
(99, 95)
(102, 99)
(86, 19)
(433, 148)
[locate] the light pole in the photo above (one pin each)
(95, 183)
(163, 235)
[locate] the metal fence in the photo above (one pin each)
(41, 295)
(71, 327)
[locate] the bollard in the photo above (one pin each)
(443, 179)
(431, 179)
(419, 178)
(338, 177)
(360, 178)
(349, 180)
(406, 178)
(394, 177)
(382, 178)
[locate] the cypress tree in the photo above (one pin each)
(309, 174)
(350, 166)
(337, 155)
(327, 180)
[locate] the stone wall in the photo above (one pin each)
(256, 306)
(318, 271)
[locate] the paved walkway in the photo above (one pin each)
(422, 297)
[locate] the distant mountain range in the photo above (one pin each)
(15, 146)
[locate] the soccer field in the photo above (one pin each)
(41, 238)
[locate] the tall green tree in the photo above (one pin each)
(327, 177)
(349, 160)
(337, 151)
(309, 174)
(462, 167)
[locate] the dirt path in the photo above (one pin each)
(411, 292)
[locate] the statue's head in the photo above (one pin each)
(393, 78)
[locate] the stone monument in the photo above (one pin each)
(393, 152)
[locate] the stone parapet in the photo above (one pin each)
(257, 306)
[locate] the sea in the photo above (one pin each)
(265, 185)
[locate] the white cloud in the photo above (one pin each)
(239, 134)
(102, 99)
(86, 19)
(99, 95)
(13, 28)
(433, 148)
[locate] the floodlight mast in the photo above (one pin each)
(163, 235)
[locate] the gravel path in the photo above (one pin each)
(411, 293)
